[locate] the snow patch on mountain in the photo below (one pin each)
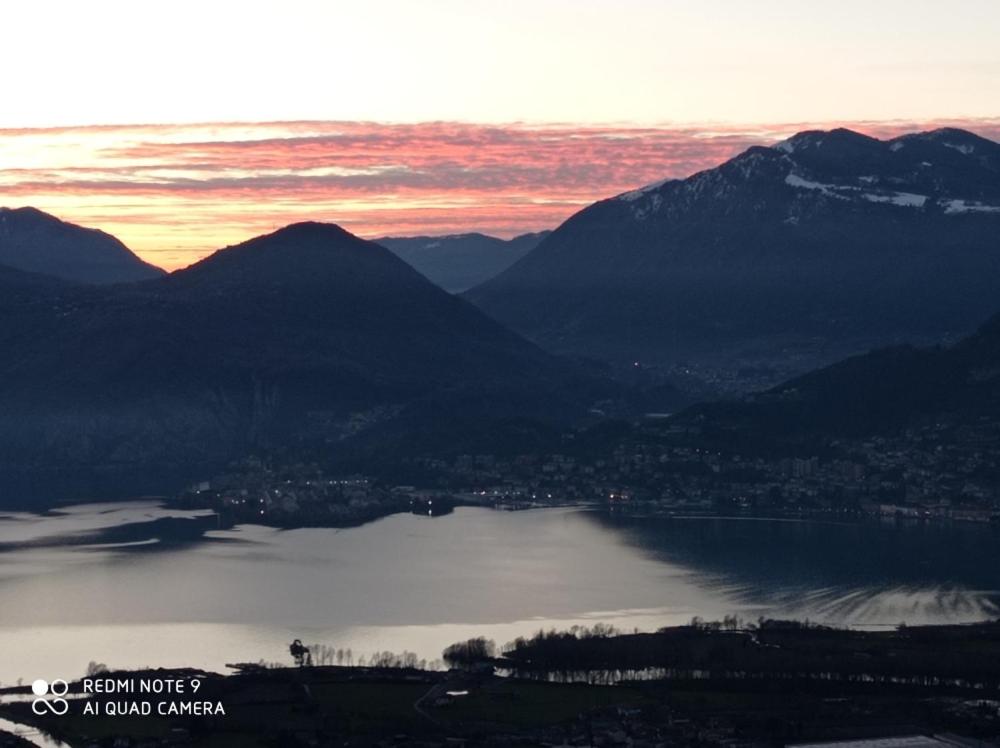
(964, 206)
(786, 146)
(847, 192)
(799, 142)
(641, 212)
(961, 148)
(794, 180)
(904, 199)
(642, 191)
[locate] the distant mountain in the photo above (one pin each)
(826, 244)
(954, 390)
(307, 336)
(460, 261)
(37, 242)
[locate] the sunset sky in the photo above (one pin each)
(184, 126)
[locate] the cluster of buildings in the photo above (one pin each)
(295, 496)
(928, 473)
(937, 472)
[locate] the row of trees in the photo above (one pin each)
(323, 655)
(480, 649)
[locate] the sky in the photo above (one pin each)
(185, 126)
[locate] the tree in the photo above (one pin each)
(470, 652)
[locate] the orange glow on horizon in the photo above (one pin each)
(176, 193)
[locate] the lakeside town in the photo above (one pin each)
(933, 473)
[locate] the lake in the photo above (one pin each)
(138, 584)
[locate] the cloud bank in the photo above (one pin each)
(175, 193)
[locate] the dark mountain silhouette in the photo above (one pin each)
(306, 336)
(37, 242)
(460, 261)
(876, 393)
(826, 244)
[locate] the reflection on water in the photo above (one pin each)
(866, 573)
(135, 585)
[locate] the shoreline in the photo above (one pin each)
(927, 670)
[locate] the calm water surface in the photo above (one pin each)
(139, 585)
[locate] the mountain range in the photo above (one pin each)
(37, 242)
(458, 262)
(824, 245)
(312, 341)
(307, 336)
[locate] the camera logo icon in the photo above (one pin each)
(50, 697)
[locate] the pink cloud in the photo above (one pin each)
(185, 190)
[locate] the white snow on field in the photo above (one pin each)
(898, 145)
(963, 206)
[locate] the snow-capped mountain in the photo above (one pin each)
(824, 244)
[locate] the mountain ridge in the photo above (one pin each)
(35, 241)
(308, 336)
